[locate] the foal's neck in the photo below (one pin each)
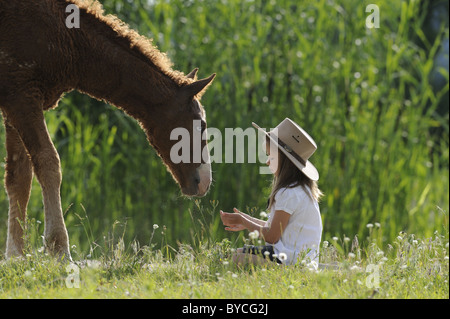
(127, 82)
(116, 70)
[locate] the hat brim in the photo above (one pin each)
(309, 169)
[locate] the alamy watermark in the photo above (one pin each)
(373, 279)
(73, 18)
(73, 277)
(232, 152)
(373, 19)
(229, 147)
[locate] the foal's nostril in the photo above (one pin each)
(197, 179)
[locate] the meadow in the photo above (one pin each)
(408, 268)
(364, 94)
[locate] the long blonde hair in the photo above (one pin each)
(289, 176)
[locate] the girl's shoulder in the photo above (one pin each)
(290, 192)
(289, 199)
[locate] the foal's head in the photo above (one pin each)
(185, 115)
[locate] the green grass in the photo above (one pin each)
(410, 267)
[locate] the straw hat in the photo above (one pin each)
(296, 144)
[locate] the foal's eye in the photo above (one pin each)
(202, 127)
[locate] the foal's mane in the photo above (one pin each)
(122, 34)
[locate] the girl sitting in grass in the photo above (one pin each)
(294, 228)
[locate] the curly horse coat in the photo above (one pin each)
(41, 59)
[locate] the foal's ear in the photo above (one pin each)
(194, 88)
(193, 74)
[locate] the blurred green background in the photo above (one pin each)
(375, 100)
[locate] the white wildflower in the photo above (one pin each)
(254, 235)
(313, 265)
(263, 215)
(369, 225)
(282, 256)
(155, 226)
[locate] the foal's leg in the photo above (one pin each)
(46, 164)
(18, 177)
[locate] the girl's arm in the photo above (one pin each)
(271, 234)
(253, 219)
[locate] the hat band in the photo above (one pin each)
(290, 151)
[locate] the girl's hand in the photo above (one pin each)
(235, 228)
(233, 221)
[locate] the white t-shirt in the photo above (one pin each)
(304, 229)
